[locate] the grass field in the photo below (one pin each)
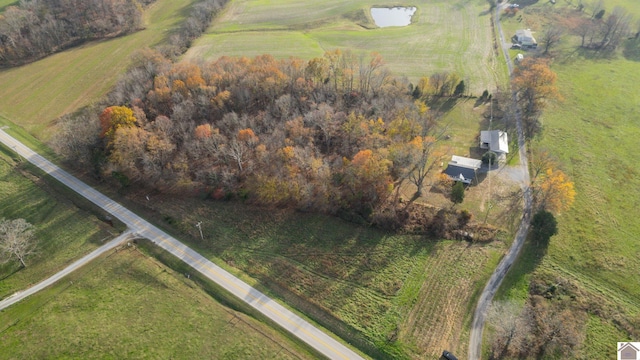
(5, 3)
(128, 305)
(35, 94)
(64, 231)
(364, 285)
(444, 36)
(594, 134)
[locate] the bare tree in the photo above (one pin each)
(16, 240)
(551, 37)
(615, 28)
(508, 326)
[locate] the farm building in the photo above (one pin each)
(525, 38)
(496, 141)
(462, 169)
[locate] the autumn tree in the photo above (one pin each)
(554, 191)
(367, 179)
(16, 240)
(114, 118)
(534, 85)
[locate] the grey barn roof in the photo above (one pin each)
(460, 173)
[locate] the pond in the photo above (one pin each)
(396, 16)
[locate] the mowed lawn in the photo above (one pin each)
(594, 133)
(127, 305)
(393, 296)
(444, 36)
(35, 94)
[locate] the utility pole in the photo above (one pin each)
(199, 226)
(489, 204)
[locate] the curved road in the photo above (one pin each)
(475, 338)
(66, 271)
(291, 322)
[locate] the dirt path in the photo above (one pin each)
(475, 338)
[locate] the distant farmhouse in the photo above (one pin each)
(525, 38)
(462, 169)
(496, 141)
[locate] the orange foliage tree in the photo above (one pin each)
(534, 83)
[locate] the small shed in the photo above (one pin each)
(462, 169)
(519, 57)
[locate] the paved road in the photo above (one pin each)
(66, 271)
(475, 338)
(306, 332)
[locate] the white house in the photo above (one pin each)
(525, 38)
(496, 141)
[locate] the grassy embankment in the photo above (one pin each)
(128, 305)
(67, 227)
(594, 134)
(444, 36)
(35, 94)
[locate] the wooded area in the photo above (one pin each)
(335, 133)
(35, 29)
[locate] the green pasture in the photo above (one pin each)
(35, 94)
(444, 36)
(128, 305)
(593, 132)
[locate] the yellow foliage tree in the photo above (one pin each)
(555, 192)
(114, 118)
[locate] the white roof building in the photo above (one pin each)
(466, 162)
(494, 140)
(525, 38)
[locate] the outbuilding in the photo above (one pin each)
(525, 38)
(496, 141)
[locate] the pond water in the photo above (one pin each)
(396, 16)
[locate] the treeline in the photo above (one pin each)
(37, 28)
(193, 26)
(335, 133)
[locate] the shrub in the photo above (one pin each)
(457, 193)
(543, 226)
